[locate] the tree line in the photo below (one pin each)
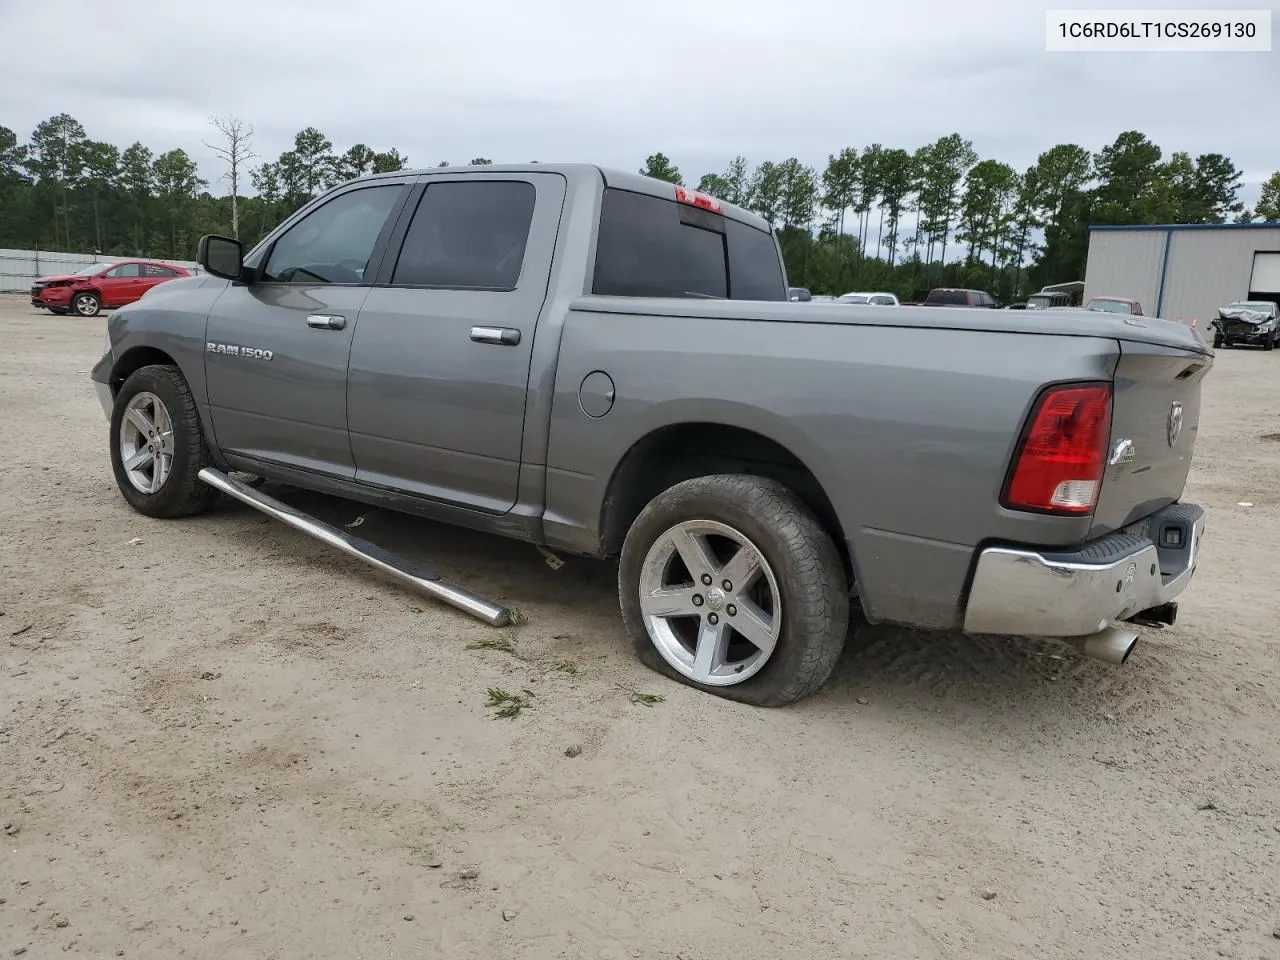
(879, 217)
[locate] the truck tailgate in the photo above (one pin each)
(1156, 409)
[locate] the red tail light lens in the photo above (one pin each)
(696, 199)
(1059, 464)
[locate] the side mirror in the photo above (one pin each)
(221, 256)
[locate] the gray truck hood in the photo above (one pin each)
(1055, 321)
(1254, 317)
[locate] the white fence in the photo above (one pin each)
(18, 268)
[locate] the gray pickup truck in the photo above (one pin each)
(606, 365)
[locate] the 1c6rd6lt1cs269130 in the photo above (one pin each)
(608, 365)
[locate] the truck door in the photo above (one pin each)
(276, 350)
(440, 361)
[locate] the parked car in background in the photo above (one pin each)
(102, 285)
(876, 299)
(823, 298)
(1044, 300)
(1122, 305)
(799, 295)
(1255, 322)
(958, 297)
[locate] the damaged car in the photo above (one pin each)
(1253, 322)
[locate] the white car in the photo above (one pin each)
(877, 299)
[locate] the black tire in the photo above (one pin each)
(1217, 341)
(86, 304)
(806, 565)
(1268, 344)
(182, 493)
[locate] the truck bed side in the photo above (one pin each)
(907, 430)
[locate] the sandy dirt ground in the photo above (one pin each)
(218, 739)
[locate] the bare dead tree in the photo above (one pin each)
(235, 150)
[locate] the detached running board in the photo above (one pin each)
(407, 572)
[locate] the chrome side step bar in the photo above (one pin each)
(405, 571)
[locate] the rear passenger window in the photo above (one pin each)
(467, 235)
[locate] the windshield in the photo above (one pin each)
(1109, 306)
(1038, 303)
(91, 269)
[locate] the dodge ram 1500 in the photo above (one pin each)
(608, 365)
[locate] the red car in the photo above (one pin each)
(108, 285)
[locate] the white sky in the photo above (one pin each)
(700, 80)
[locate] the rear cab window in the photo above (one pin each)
(648, 246)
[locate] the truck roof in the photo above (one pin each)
(621, 179)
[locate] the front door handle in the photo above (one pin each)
(325, 321)
(503, 336)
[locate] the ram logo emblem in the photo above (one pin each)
(1175, 422)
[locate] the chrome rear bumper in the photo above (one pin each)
(1082, 591)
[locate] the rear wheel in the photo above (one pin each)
(157, 445)
(1217, 341)
(729, 584)
(86, 304)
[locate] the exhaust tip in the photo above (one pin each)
(1128, 651)
(1111, 645)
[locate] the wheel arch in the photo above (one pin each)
(135, 358)
(681, 451)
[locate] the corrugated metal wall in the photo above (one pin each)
(1125, 263)
(1204, 269)
(19, 267)
(1209, 268)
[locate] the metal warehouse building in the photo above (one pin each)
(1185, 271)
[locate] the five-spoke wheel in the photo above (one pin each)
(710, 602)
(730, 583)
(146, 442)
(158, 446)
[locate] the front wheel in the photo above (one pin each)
(1217, 341)
(157, 445)
(729, 584)
(86, 304)
(1268, 344)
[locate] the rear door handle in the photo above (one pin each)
(503, 336)
(325, 321)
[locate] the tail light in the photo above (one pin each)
(695, 198)
(1060, 461)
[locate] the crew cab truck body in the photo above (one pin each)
(608, 365)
